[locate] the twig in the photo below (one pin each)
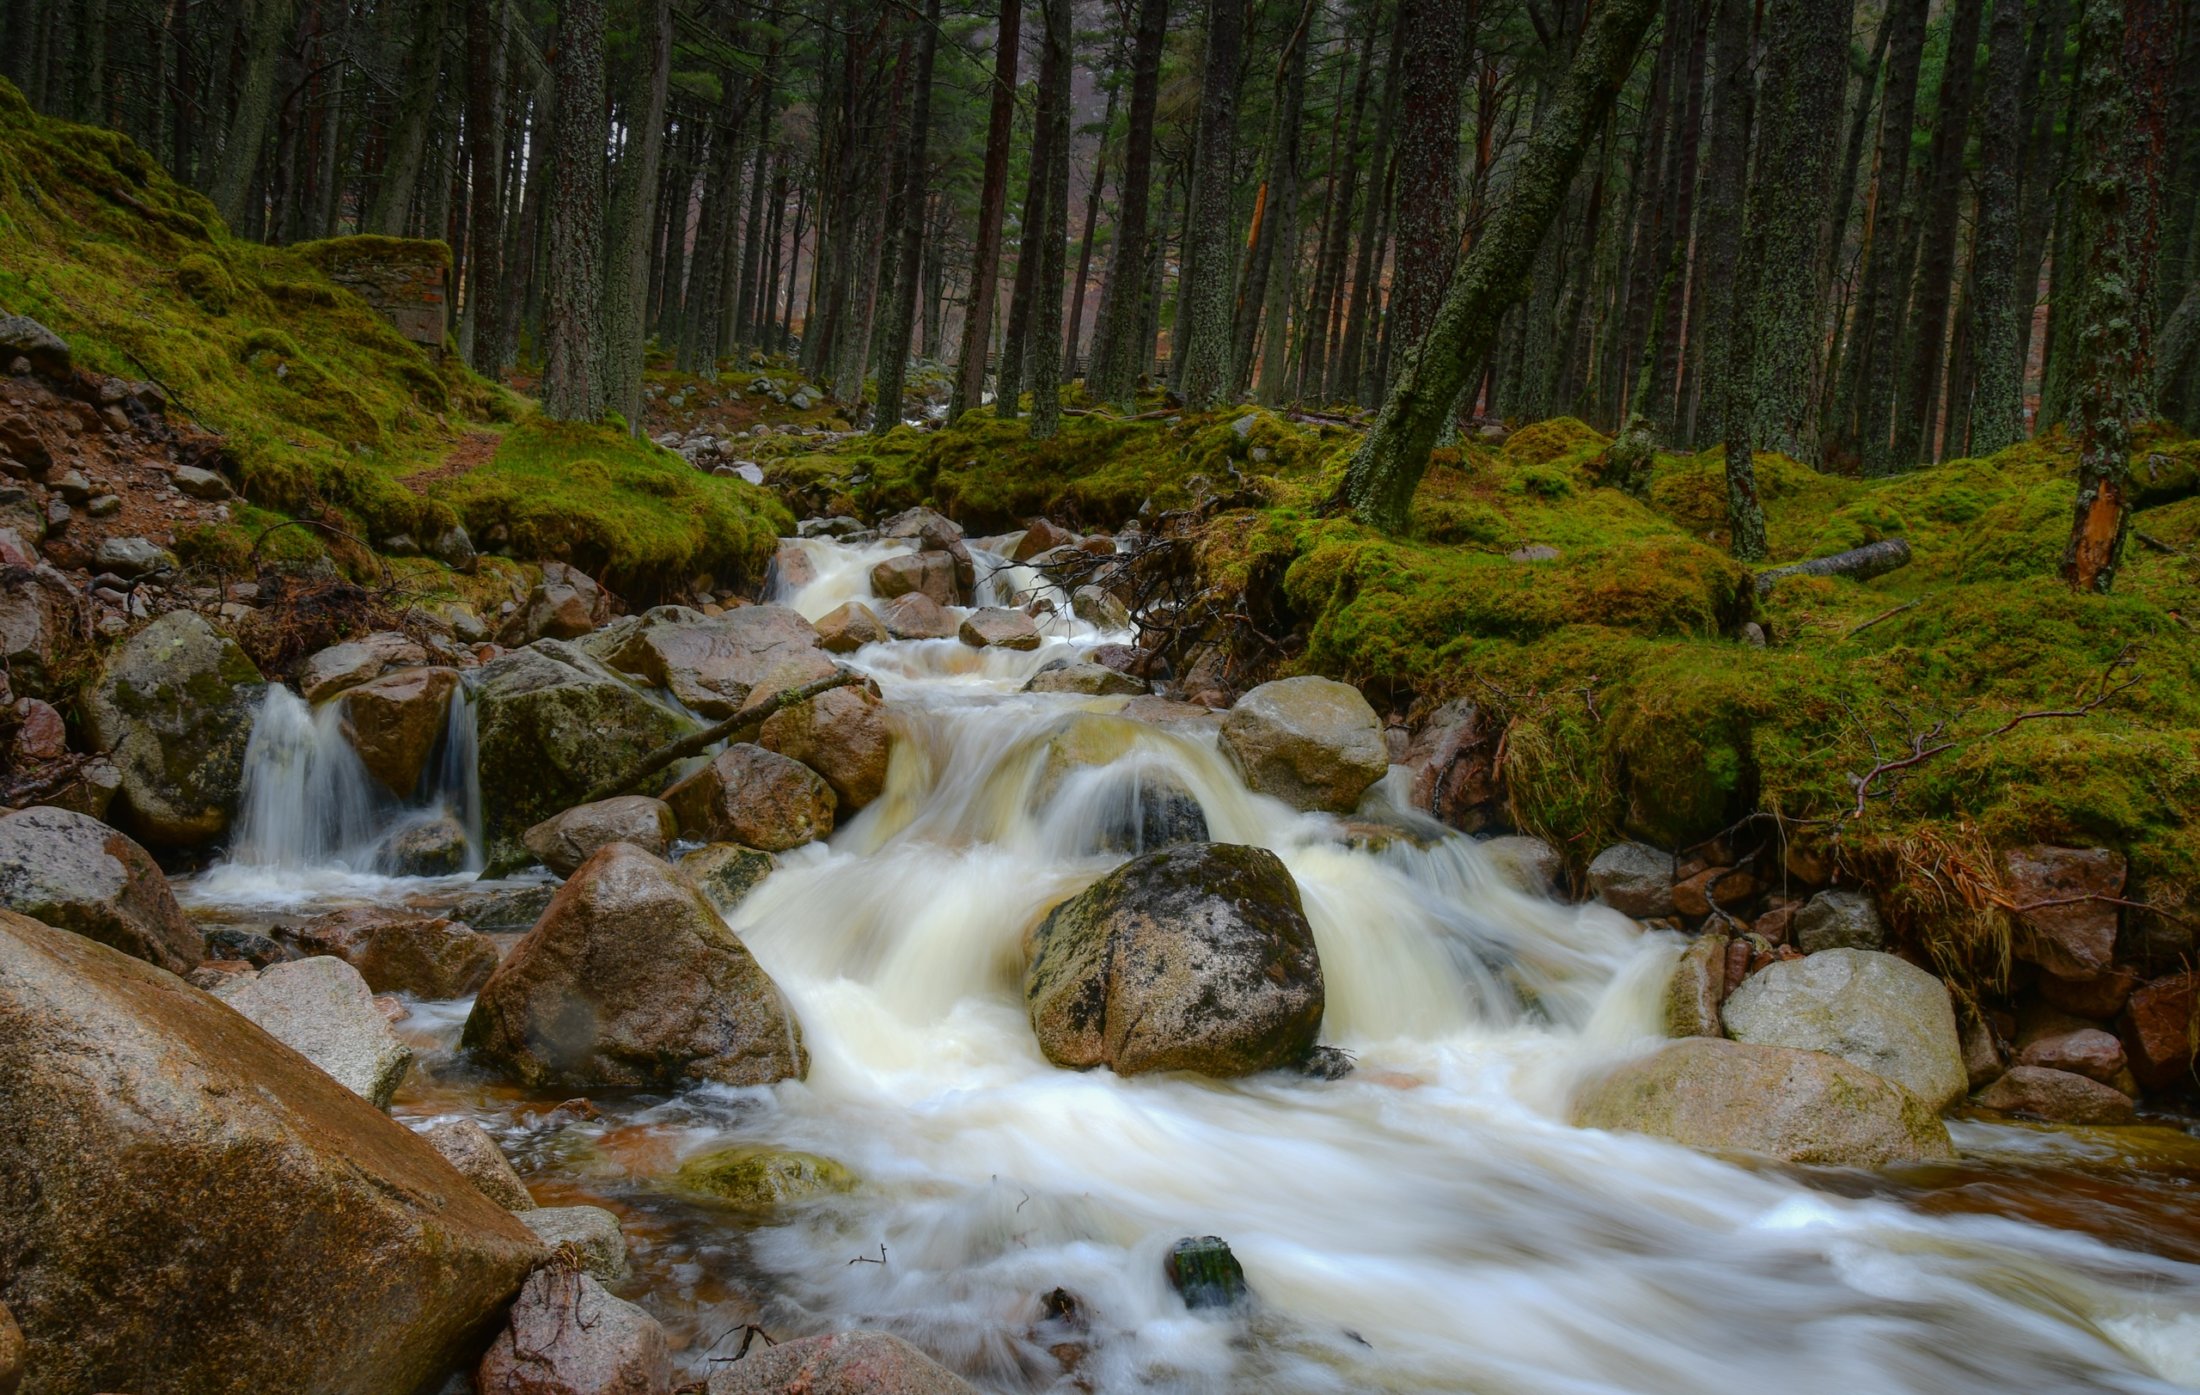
(2104, 899)
(2159, 546)
(739, 727)
(1887, 614)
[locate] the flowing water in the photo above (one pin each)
(1428, 1223)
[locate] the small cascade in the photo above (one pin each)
(307, 800)
(456, 769)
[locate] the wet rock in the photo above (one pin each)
(12, 1354)
(1099, 608)
(1982, 1059)
(1839, 919)
(1147, 812)
(995, 628)
(849, 626)
(468, 1147)
(426, 847)
(567, 1336)
(1167, 712)
(1041, 536)
(246, 946)
(763, 1179)
(322, 1009)
(916, 616)
(2100, 997)
(2086, 1051)
(727, 872)
(201, 484)
(841, 1363)
(399, 952)
(2076, 940)
(552, 724)
(929, 529)
(394, 722)
(1205, 1273)
(346, 665)
(1087, 680)
(791, 570)
(930, 574)
(2157, 1029)
(1634, 879)
(130, 558)
(45, 630)
(23, 337)
(597, 1243)
(500, 912)
(565, 604)
(841, 734)
(565, 840)
(75, 873)
(630, 979)
(174, 711)
(1873, 1010)
(1697, 988)
(1796, 1106)
(2058, 1096)
(304, 1241)
(755, 797)
(1193, 958)
(1720, 889)
(837, 526)
(1528, 863)
(712, 664)
(1452, 758)
(1311, 742)
(453, 548)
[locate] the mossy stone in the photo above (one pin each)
(763, 1179)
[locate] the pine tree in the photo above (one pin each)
(572, 389)
(1118, 354)
(1203, 295)
(985, 261)
(633, 214)
(893, 357)
(1997, 402)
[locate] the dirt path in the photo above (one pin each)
(474, 448)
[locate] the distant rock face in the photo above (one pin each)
(1198, 957)
(130, 1095)
(174, 711)
(567, 1336)
(77, 874)
(711, 664)
(564, 841)
(843, 1363)
(1872, 1010)
(630, 979)
(1797, 1106)
(322, 1009)
(755, 797)
(1311, 742)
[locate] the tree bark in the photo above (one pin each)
(1275, 201)
(1119, 356)
(893, 358)
(1203, 289)
(240, 156)
(480, 330)
(1346, 370)
(572, 389)
(1046, 299)
(1428, 149)
(408, 147)
(1718, 239)
(985, 261)
(1997, 402)
(633, 214)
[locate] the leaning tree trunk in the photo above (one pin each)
(1997, 401)
(633, 214)
(901, 312)
(1118, 357)
(1203, 289)
(573, 320)
(1387, 468)
(2122, 101)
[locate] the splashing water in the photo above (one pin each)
(1427, 1224)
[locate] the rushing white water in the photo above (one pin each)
(1427, 1224)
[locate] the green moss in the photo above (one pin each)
(763, 1179)
(207, 282)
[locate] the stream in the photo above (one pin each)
(1427, 1223)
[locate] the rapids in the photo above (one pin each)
(1428, 1223)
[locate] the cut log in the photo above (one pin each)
(1861, 563)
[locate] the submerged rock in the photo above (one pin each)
(1312, 742)
(322, 1009)
(1197, 957)
(1205, 1273)
(567, 1336)
(763, 1179)
(182, 1183)
(841, 1363)
(174, 711)
(1797, 1106)
(77, 874)
(630, 979)
(468, 1147)
(564, 841)
(755, 797)
(1873, 1010)
(592, 1233)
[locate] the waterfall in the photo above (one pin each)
(307, 799)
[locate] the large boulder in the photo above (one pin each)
(849, 626)
(2074, 938)
(1870, 1009)
(841, 1363)
(322, 1009)
(756, 797)
(917, 616)
(567, 1336)
(402, 952)
(2058, 1096)
(175, 1182)
(630, 979)
(998, 628)
(1839, 919)
(552, 723)
(77, 874)
(23, 337)
(710, 664)
(1198, 957)
(1634, 879)
(45, 630)
(1797, 1106)
(922, 573)
(1311, 742)
(2157, 1029)
(843, 735)
(174, 711)
(565, 840)
(565, 604)
(393, 723)
(347, 665)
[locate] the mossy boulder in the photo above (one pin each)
(1313, 743)
(1870, 1009)
(1796, 1106)
(1198, 957)
(838, 1363)
(763, 1179)
(174, 710)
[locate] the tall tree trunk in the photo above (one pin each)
(1008, 381)
(747, 314)
(1084, 243)
(572, 389)
(985, 262)
(2125, 58)
(1119, 355)
(1917, 409)
(1719, 235)
(1876, 335)
(2039, 176)
(633, 214)
(1388, 466)
(901, 314)
(240, 156)
(1326, 304)
(1997, 402)
(1275, 200)
(1834, 399)
(1046, 299)
(1662, 376)
(1347, 378)
(480, 330)
(1428, 148)
(409, 142)
(1203, 289)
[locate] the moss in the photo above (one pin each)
(337, 253)
(763, 1179)
(207, 282)
(1560, 438)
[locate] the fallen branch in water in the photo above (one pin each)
(739, 727)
